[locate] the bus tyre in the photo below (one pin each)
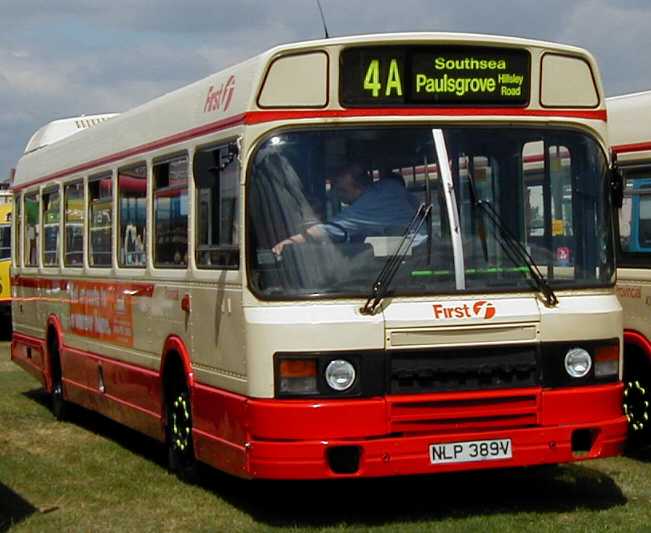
(637, 408)
(59, 407)
(57, 402)
(180, 451)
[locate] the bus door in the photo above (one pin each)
(217, 315)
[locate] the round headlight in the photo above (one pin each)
(578, 362)
(340, 375)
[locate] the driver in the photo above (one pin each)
(374, 208)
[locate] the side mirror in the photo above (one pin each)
(616, 185)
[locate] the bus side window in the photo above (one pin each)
(31, 245)
(100, 221)
(635, 216)
(132, 216)
(171, 213)
(217, 180)
(51, 219)
(18, 260)
(73, 255)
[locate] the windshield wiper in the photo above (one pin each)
(513, 247)
(383, 281)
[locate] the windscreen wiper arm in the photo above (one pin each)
(513, 247)
(383, 281)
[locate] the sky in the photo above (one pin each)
(63, 58)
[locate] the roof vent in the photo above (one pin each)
(60, 129)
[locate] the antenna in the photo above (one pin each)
(325, 27)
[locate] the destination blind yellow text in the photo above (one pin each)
(469, 63)
(458, 86)
(462, 86)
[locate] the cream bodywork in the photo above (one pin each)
(634, 292)
(411, 324)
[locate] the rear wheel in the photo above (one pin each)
(180, 450)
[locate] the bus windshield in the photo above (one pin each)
(327, 208)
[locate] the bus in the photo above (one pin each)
(630, 137)
(6, 203)
(323, 262)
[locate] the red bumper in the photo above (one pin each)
(291, 439)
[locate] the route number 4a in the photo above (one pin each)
(373, 83)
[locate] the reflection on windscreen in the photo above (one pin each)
(327, 208)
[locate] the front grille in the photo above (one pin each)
(466, 411)
(455, 369)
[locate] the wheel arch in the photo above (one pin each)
(53, 329)
(641, 344)
(175, 353)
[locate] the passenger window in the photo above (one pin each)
(217, 180)
(100, 216)
(31, 244)
(635, 215)
(132, 205)
(17, 228)
(51, 219)
(171, 213)
(74, 225)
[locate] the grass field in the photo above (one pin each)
(93, 475)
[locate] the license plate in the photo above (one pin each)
(465, 452)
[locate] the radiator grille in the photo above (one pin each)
(483, 368)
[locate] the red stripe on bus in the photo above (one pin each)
(259, 117)
(145, 290)
(634, 147)
(39, 283)
(160, 143)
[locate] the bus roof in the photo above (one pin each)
(253, 91)
(629, 126)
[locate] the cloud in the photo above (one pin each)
(71, 57)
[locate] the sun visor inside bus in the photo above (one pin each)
(296, 81)
(567, 82)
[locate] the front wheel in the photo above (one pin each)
(180, 450)
(58, 404)
(57, 401)
(637, 408)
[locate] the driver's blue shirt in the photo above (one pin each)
(384, 208)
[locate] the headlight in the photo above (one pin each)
(340, 375)
(578, 362)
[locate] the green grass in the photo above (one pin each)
(93, 475)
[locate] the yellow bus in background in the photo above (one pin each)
(6, 206)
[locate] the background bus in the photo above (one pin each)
(630, 136)
(6, 208)
(318, 263)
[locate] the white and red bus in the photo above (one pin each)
(630, 136)
(333, 260)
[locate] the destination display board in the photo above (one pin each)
(434, 76)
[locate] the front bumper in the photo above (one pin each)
(288, 439)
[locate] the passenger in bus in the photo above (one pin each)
(383, 207)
